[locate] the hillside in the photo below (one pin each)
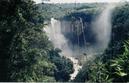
(75, 42)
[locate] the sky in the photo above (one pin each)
(78, 1)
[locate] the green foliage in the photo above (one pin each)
(115, 70)
(60, 10)
(112, 66)
(119, 67)
(29, 57)
(120, 30)
(24, 46)
(93, 72)
(64, 67)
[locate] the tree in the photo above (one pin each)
(112, 65)
(23, 44)
(119, 67)
(64, 66)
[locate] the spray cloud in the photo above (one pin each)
(101, 27)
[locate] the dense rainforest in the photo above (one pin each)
(28, 55)
(112, 65)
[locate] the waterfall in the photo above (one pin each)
(101, 27)
(54, 33)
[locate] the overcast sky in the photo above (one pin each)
(79, 1)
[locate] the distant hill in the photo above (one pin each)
(61, 10)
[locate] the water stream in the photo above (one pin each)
(101, 26)
(59, 41)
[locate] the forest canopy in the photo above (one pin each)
(28, 55)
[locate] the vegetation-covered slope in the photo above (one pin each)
(58, 11)
(113, 64)
(27, 55)
(25, 51)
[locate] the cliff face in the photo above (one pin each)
(77, 28)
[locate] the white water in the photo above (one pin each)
(59, 41)
(101, 27)
(76, 67)
(53, 31)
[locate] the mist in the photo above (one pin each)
(54, 33)
(101, 28)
